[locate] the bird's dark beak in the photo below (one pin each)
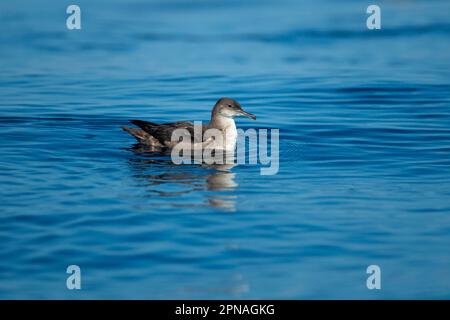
(247, 114)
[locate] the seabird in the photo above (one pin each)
(159, 136)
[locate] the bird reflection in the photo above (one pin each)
(164, 179)
(219, 181)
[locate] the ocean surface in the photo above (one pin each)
(364, 177)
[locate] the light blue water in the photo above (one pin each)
(364, 177)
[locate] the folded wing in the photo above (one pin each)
(163, 132)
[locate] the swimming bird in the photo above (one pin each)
(158, 136)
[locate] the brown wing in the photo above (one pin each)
(163, 132)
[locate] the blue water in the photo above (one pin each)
(364, 119)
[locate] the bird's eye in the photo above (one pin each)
(231, 106)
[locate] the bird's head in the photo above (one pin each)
(230, 108)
